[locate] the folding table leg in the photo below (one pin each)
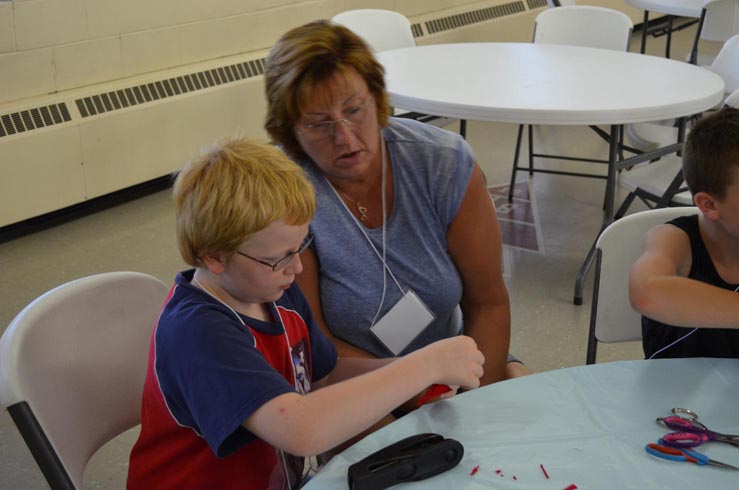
(694, 52)
(644, 29)
(515, 162)
(608, 205)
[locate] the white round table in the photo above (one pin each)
(530, 83)
(550, 84)
(587, 425)
(683, 8)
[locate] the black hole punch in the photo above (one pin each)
(414, 458)
(405, 472)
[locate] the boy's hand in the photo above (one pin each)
(435, 393)
(455, 362)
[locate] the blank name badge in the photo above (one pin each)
(402, 323)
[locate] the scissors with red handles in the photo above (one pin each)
(686, 455)
(690, 432)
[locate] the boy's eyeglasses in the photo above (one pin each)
(280, 264)
(354, 116)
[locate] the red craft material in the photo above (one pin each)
(497, 472)
(514, 477)
(432, 392)
(544, 471)
(475, 470)
(570, 487)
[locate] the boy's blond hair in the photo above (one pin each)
(234, 189)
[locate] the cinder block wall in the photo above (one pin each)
(49, 46)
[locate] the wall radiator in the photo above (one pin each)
(72, 147)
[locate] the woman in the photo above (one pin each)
(402, 206)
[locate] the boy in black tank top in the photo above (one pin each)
(686, 282)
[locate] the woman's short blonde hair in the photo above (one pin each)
(234, 189)
(304, 58)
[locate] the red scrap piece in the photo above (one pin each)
(497, 472)
(433, 391)
(514, 477)
(475, 470)
(570, 487)
(544, 471)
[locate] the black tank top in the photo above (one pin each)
(704, 342)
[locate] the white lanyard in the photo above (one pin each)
(238, 317)
(361, 227)
(312, 465)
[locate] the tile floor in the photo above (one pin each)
(548, 331)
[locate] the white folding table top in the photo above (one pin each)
(684, 8)
(545, 84)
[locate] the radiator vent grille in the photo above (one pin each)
(40, 117)
(170, 87)
(36, 118)
(473, 17)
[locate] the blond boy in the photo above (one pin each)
(241, 383)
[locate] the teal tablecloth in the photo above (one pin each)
(587, 425)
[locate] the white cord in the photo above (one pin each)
(381, 256)
(675, 342)
(681, 338)
(290, 353)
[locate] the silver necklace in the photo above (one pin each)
(362, 209)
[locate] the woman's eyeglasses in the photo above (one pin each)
(280, 264)
(354, 116)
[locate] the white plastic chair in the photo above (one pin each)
(381, 29)
(652, 135)
(560, 3)
(661, 183)
(612, 319)
(719, 21)
(650, 181)
(594, 27)
(733, 99)
(726, 64)
(384, 30)
(72, 368)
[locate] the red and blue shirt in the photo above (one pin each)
(208, 372)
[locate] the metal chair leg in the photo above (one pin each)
(531, 149)
(625, 206)
(644, 29)
(580, 283)
(515, 162)
(592, 341)
(694, 51)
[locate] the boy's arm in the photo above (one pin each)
(351, 367)
(322, 419)
(659, 289)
